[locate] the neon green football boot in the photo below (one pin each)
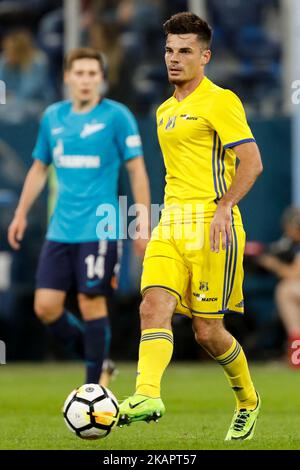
(140, 408)
(243, 423)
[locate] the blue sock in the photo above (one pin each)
(97, 342)
(69, 330)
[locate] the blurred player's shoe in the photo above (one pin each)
(140, 408)
(109, 372)
(110, 368)
(243, 423)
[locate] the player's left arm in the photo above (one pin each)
(250, 167)
(279, 268)
(141, 193)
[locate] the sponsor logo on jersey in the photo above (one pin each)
(73, 161)
(203, 298)
(92, 128)
(78, 161)
(133, 141)
(240, 304)
(58, 150)
(188, 117)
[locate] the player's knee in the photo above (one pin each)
(45, 311)
(287, 293)
(284, 290)
(85, 303)
(156, 311)
(147, 309)
(205, 332)
(41, 312)
(203, 336)
(90, 314)
(92, 307)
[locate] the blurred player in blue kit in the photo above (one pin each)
(87, 139)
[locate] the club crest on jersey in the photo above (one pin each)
(171, 123)
(91, 128)
(203, 286)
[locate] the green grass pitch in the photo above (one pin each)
(198, 400)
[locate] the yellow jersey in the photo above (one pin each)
(197, 136)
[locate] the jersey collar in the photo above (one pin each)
(199, 89)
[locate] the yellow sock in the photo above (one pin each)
(235, 367)
(156, 349)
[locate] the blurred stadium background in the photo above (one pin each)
(254, 54)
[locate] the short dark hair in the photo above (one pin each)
(83, 53)
(188, 23)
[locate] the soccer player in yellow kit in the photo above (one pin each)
(193, 262)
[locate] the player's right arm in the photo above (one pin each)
(34, 183)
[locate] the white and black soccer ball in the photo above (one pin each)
(91, 411)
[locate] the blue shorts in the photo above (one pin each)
(91, 268)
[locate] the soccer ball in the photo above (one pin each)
(91, 411)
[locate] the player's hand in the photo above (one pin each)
(267, 261)
(16, 231)
(221, 226)
(139, 246)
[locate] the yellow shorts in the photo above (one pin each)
(205, 283)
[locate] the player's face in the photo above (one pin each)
(84, 79)
(185, 58)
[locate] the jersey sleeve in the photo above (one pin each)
(128, 137)
(42, 150)
(229, 120)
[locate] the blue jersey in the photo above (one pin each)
(87, 150)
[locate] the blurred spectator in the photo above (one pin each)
(175, 6)
(25, 71)
(104, 37)
(143, 21)
(284, 261)
(50, 37)
(17, 13)
(248, 47)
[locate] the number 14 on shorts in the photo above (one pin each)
(95, 266)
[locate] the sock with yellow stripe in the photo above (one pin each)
(235, 367)
(156, 349)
